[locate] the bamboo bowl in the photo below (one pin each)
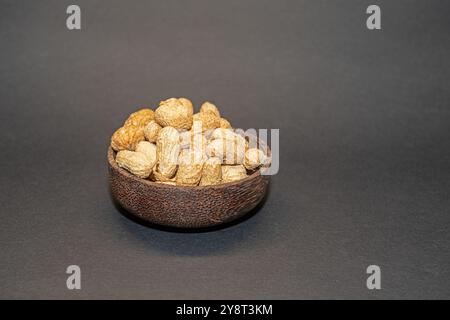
(185, 207)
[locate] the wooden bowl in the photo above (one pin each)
(185, 207)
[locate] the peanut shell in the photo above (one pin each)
(140, 118)
(212, 172)
(187, 104)
(158, 177)
(151, 131)
(208, 120)
(210, 107)
(126, 138)
(168, 148)
(254, 158)
(233, 173)
(229, 151)
(189, 169)
(186, 139)
(224, 123)
(228, 134)
(135, 162)
(149, 149)
(174, 113)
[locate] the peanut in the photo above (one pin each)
(135, 162)
(229, 151)
(216, 148)
(140, 118)
(228, 134)
(254, 158)
(151, 131)
(185, 139)
(221, 133)
(212, 172)
(149, 149)
(187, 104)
(195, 142)
(208, 106)
(198, 146)
(175, 113)
(126, 138)
(224, 123)
(158, 177)
(189, 169)
(197, 128)
(168, 148)
(174, 146)
(233, 173)
(209, 120)
(188, 156)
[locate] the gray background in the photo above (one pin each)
(364, 123)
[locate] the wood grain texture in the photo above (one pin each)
(185, 207)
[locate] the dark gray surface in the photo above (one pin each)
(364, 122)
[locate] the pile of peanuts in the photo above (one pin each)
(172, 145)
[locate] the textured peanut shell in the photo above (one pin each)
(228, 134)
(235, 152)
(174, 113)
(229, 151)
(126, 138)
(140, 118)
(197, 128)
(210, 107)
(190, 166)
(187, 104)
(151, 131)
(157, 176)
(136, 163)
(254, 158)
(185, 139)
(208, 120)
(189, 174)
(198, 144)
(187, 156)
(168, 149)
(212, 172)
(224, 123)
(233, 173)
(149, 150)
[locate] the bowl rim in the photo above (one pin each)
(112, 162)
